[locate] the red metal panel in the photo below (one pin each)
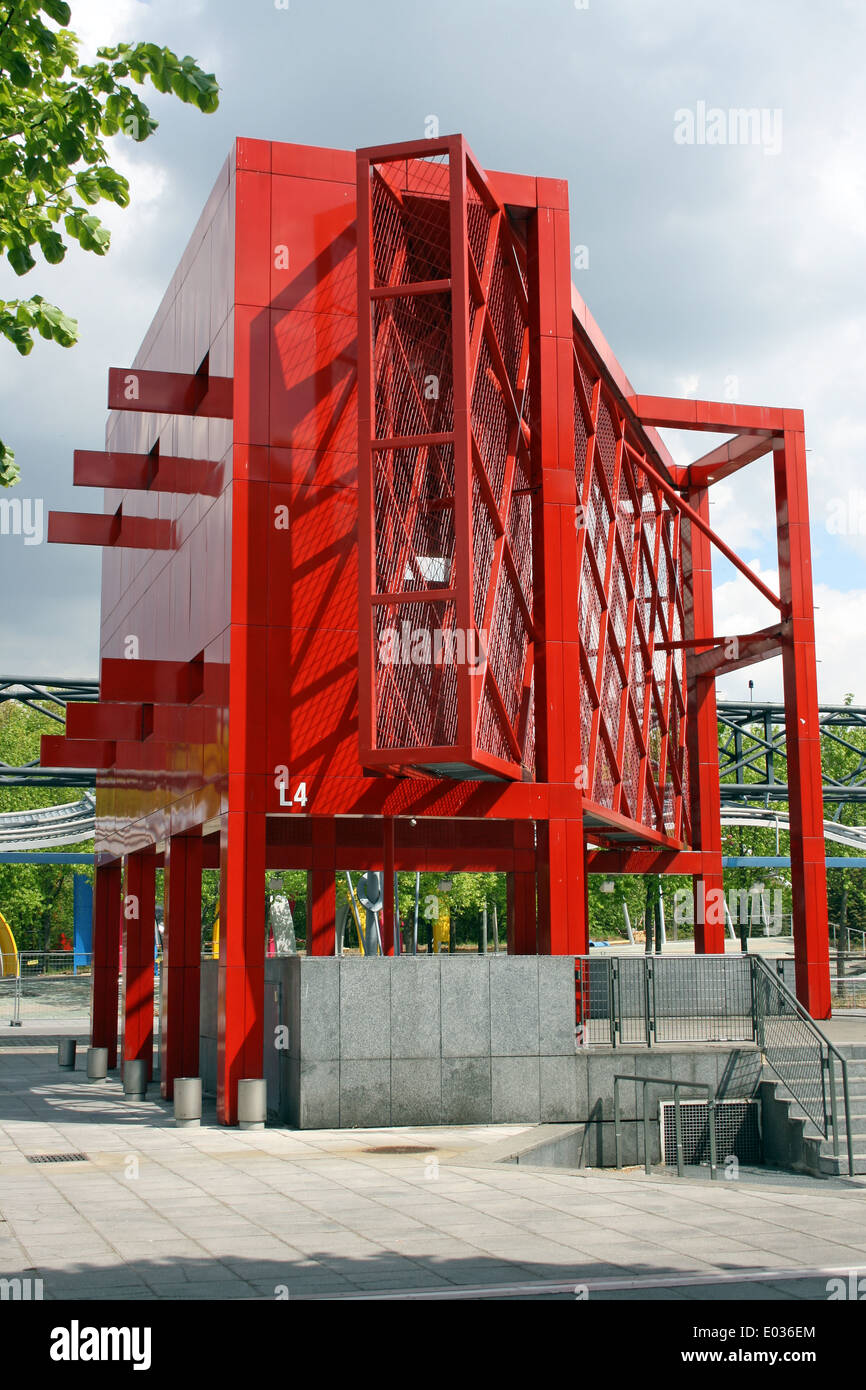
(630, 612)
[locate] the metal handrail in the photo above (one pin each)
(646, 1081)
(759, 965)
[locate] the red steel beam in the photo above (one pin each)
(58, 751)
(702, 734)
(721, 462)
(151, 682)
(170, 393)
(715, 417)
(146, 472)
(107, 907)
(118, 531)
(751, 648)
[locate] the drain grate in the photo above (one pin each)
(398, 1149)
(738, 1131)
(57, 1158)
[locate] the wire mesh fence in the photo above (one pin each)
(45, 985)
(634, 1000)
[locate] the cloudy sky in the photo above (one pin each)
(725, 271)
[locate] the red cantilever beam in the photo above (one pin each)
(103, 721)
(125, 532)
(170, 393)
(57, 751)
(151, 472)
(154, 682)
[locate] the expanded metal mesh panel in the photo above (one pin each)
(416, 675)
(737, 1127)
(410, 214)
(413, 493)
(640, 572)
(412, 360)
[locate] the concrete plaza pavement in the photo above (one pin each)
(212, 1213)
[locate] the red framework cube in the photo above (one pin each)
(399, 575)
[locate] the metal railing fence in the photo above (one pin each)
(801, 1055)
(645, 1082)
(646, 1000)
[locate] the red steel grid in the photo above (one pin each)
(446, 630)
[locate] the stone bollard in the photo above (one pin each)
(187, 1101)
(97, 1063)
(252, 1104)
(134, 1079)
(66, 1054)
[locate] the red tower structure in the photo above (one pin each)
(399, 574)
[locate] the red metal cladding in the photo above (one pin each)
(445, 478)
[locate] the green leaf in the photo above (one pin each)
(88, 231)
(52, 246)
(19, 70)
(57, 10)
(64, 330)
(9, 473)
(20, 258)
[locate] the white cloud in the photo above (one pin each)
(840, 639)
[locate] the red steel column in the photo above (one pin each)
(522, 935)
(805, 799)
(107, 905)
(139, 903)
(562, 925)
(181, 961)
(240, 1044)
(322, 889)
(389, 906)
(702, 734)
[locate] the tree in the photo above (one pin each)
(36, 899)
(55, 115)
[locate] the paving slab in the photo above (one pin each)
(215, 1214)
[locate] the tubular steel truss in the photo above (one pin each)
(51, 698)
(753, 753)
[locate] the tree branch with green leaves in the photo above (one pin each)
(56, 114)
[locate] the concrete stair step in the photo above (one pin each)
(838, 1167)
